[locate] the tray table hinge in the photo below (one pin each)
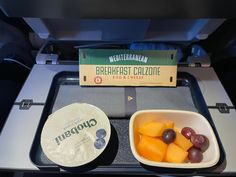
(198, 57)
(222, 108)
(43, 59)
(199, 61)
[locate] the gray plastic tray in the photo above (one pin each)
(118, 158)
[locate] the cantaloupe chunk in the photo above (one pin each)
(169, 124)
(175, 154)
(176, 129)
(152, 148)
(153, 129)
(182, 142)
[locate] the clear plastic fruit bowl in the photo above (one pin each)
(181, 119)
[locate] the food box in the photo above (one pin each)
(123, 67)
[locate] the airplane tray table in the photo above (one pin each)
(117, 158)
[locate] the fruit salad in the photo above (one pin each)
(163, 142)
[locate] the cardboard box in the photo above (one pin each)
(118, 67)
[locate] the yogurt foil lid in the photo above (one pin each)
(75, 134)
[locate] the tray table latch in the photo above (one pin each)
(25, 104)
(222, 108)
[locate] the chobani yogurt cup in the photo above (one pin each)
(75, 134)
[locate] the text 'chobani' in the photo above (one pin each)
(75, 130)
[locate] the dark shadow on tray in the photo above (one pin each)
(172, 171)
(106, 158)
(221, 167)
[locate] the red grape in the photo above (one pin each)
(205, 145)
(168, 136)
(187, 132)
(200, 141)
(195, 155)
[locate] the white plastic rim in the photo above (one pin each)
(181, 119)
(75, 135)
